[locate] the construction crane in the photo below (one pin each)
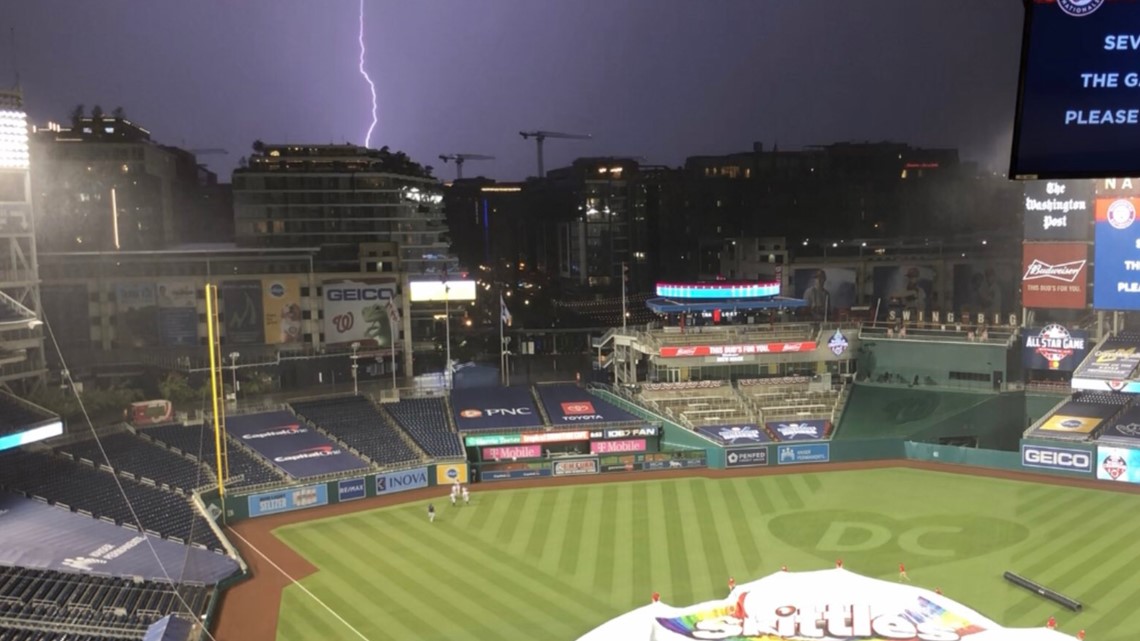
(541, 136)
(460, 159)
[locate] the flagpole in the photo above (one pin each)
(502, 345)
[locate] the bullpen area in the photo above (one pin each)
(526, 560)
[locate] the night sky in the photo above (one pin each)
(660, 79)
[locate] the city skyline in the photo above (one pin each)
(665, 85)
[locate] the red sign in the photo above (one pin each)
(614, 447)
(578, 408)
(1055, 275)
(723, 350)
(512, 452)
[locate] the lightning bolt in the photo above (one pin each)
(371, 85)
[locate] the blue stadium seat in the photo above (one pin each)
(129, 453)
(44, 600)
(199, 441)
(425, 420)
(358, 423)
(82, 487)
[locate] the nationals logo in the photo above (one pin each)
(1079, 8)
(1115, 466)
(343, 322)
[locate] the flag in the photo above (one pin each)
(393, 314)
(505, 314)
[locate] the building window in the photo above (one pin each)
(970, 376)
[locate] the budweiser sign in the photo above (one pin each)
(1065, 272)
(734, 350)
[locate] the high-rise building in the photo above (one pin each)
(366, 209)
(21, 332)
(102, 184)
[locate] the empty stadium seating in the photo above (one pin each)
(425, 420)
(245, 469)
(697, 403)
(16, 416)
(789, 398)
(129, 453)
(93, 491)
(359, 424)
(43, 601)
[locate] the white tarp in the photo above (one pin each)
(829, 605)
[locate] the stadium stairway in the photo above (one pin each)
(391, 422)
(541, 409)
(450, 409)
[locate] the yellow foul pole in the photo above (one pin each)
(212, 339)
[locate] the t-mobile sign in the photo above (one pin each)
(616, 447)
(511, 452)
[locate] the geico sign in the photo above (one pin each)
(359, 294)
(1057, 458)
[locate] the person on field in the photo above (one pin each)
(431, 513)
(1051, 623)
(731, 584)
(466, 497)
(902, 573)
(453, 498)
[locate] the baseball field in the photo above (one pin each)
(554, 562)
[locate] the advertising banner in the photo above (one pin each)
(480, 440)
(68, 310)
(281, 303)
(511, 452)
(1118, 464)
(494, 407)
(554, 437)
(793, 454)
(813, 430)
(1056, 458)
(178, 313)
(242, 312)
(1071, 424)
(746, 457)
(725, 350)
(394, 482)
(614, 447)
(145, 413)
(1054, 348)
(298, 450)
(350, 490)
(570, 404)
(732, 434)
(296, 498)
(986, 287)
(903, 286)
(355, 311)
(437, 291)
(1125, 427)
(825, 288)
(631, 432)
(1058, 209)
(575, 467)
(136, 315)
(1055, 275)
(509, 475)
(1116, 282)
(1112, 363)
(450, 473)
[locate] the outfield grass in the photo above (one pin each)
(553, 563)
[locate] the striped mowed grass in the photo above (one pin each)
(553, 563)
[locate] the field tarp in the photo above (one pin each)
(300, 451)
(494, 408)
(36, 535)
(829, 605)
(573, 405)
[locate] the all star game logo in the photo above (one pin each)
(837, 343)
(1115, 466)
(1079, 8)
(1054, 343)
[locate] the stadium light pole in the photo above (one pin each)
(355, 386)
(234, 356)
(447, 330)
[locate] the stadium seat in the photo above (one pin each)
(44, 601)
(197, 440)
(83, 487)
(127, 452)
(425, 420)
(359, 424)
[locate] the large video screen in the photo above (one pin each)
(1116, 279)
(1078, 107)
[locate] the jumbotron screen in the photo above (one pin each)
(1078, 107)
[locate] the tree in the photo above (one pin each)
(77, 115)
(119, 114)
(177, 389)
(259, 146)
(97, 113)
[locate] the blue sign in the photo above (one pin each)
(813, 430)
(296, 498)
(734, 434)
(813, 453)
(1076, 112)
(746, 457)
(505, 475)
(1116, 281)
(350, 490)
(393, 482)
(494, 407)
(1056, 458)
